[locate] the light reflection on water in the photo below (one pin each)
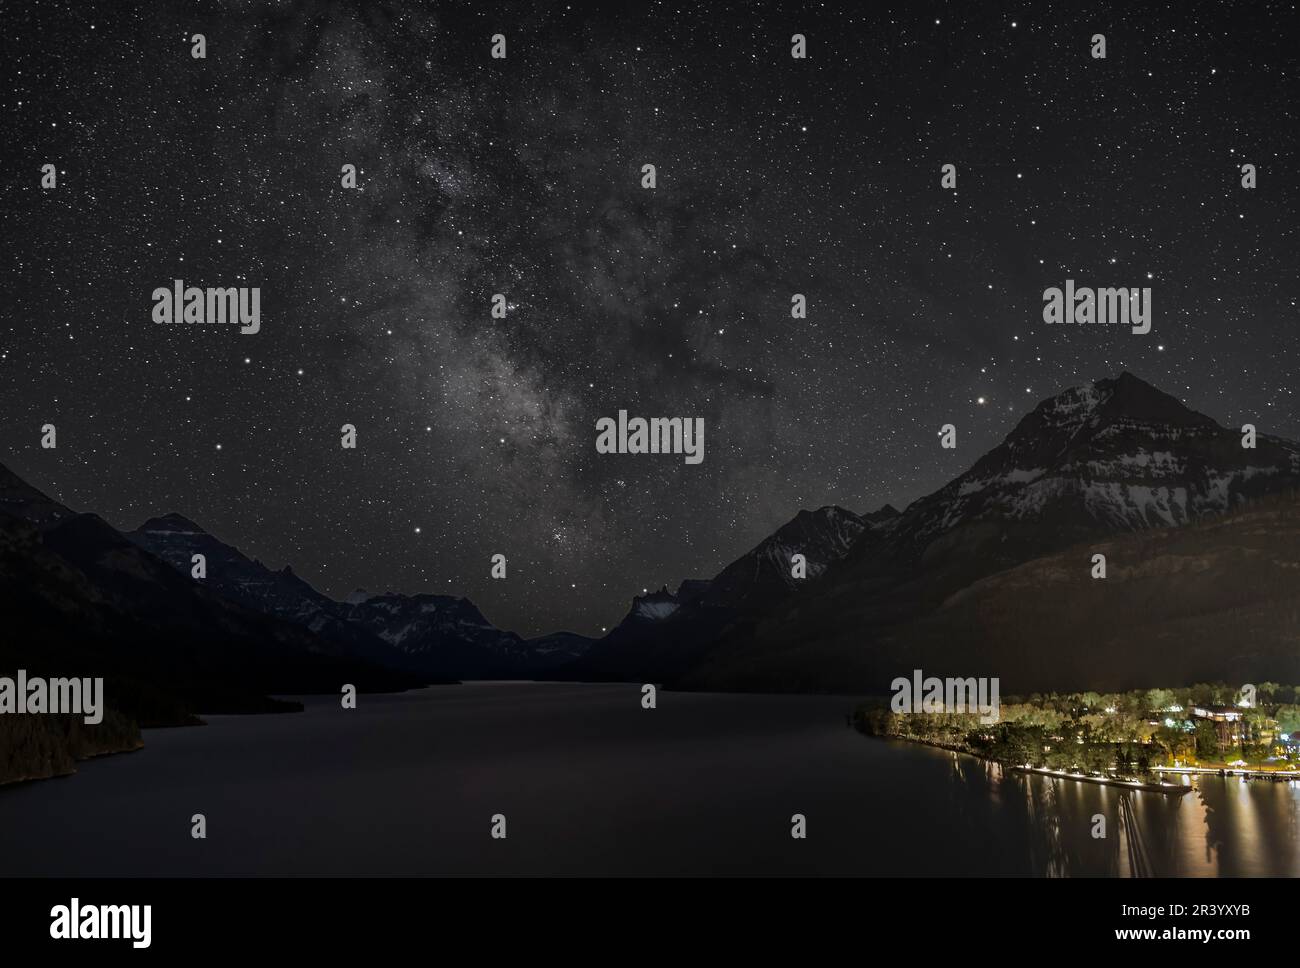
(1224, 826)
(595, 784)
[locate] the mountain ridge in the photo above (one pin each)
(1095, 461)
(1102, 458)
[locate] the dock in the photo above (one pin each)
(1171, 789)
(1277, 776)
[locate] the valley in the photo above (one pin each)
(990, 576)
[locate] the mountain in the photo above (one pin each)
(1115, 455)
(448, 636)
(557, 649)
(660, 638)
(1096, 462)
(822, 537)
(440, 637)
(443, 635)
(176, 539)
(20, 500)
(1115, 464)
(81, 599)
(665, 633)
(1217, 599)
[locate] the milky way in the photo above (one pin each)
(522, 176)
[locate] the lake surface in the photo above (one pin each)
(591, 783)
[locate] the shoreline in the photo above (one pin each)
(1170, 789)
(13, 782)
(1173, 789)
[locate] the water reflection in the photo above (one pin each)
(1224, 826)
(594, 787)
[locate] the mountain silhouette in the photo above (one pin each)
(1116, 464)
(439, 637)
(665, 633)
(81, 599)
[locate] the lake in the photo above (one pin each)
(591, 783)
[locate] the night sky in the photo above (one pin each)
(522, 176)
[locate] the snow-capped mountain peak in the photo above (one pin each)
(1117, 454)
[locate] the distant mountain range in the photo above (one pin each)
(666, 633)
(80, 599)
(437, 636)
(965, 581)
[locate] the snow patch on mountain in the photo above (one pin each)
(1117, 454)
(1014, 476)
(655, 611)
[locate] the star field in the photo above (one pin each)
(521, 176)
